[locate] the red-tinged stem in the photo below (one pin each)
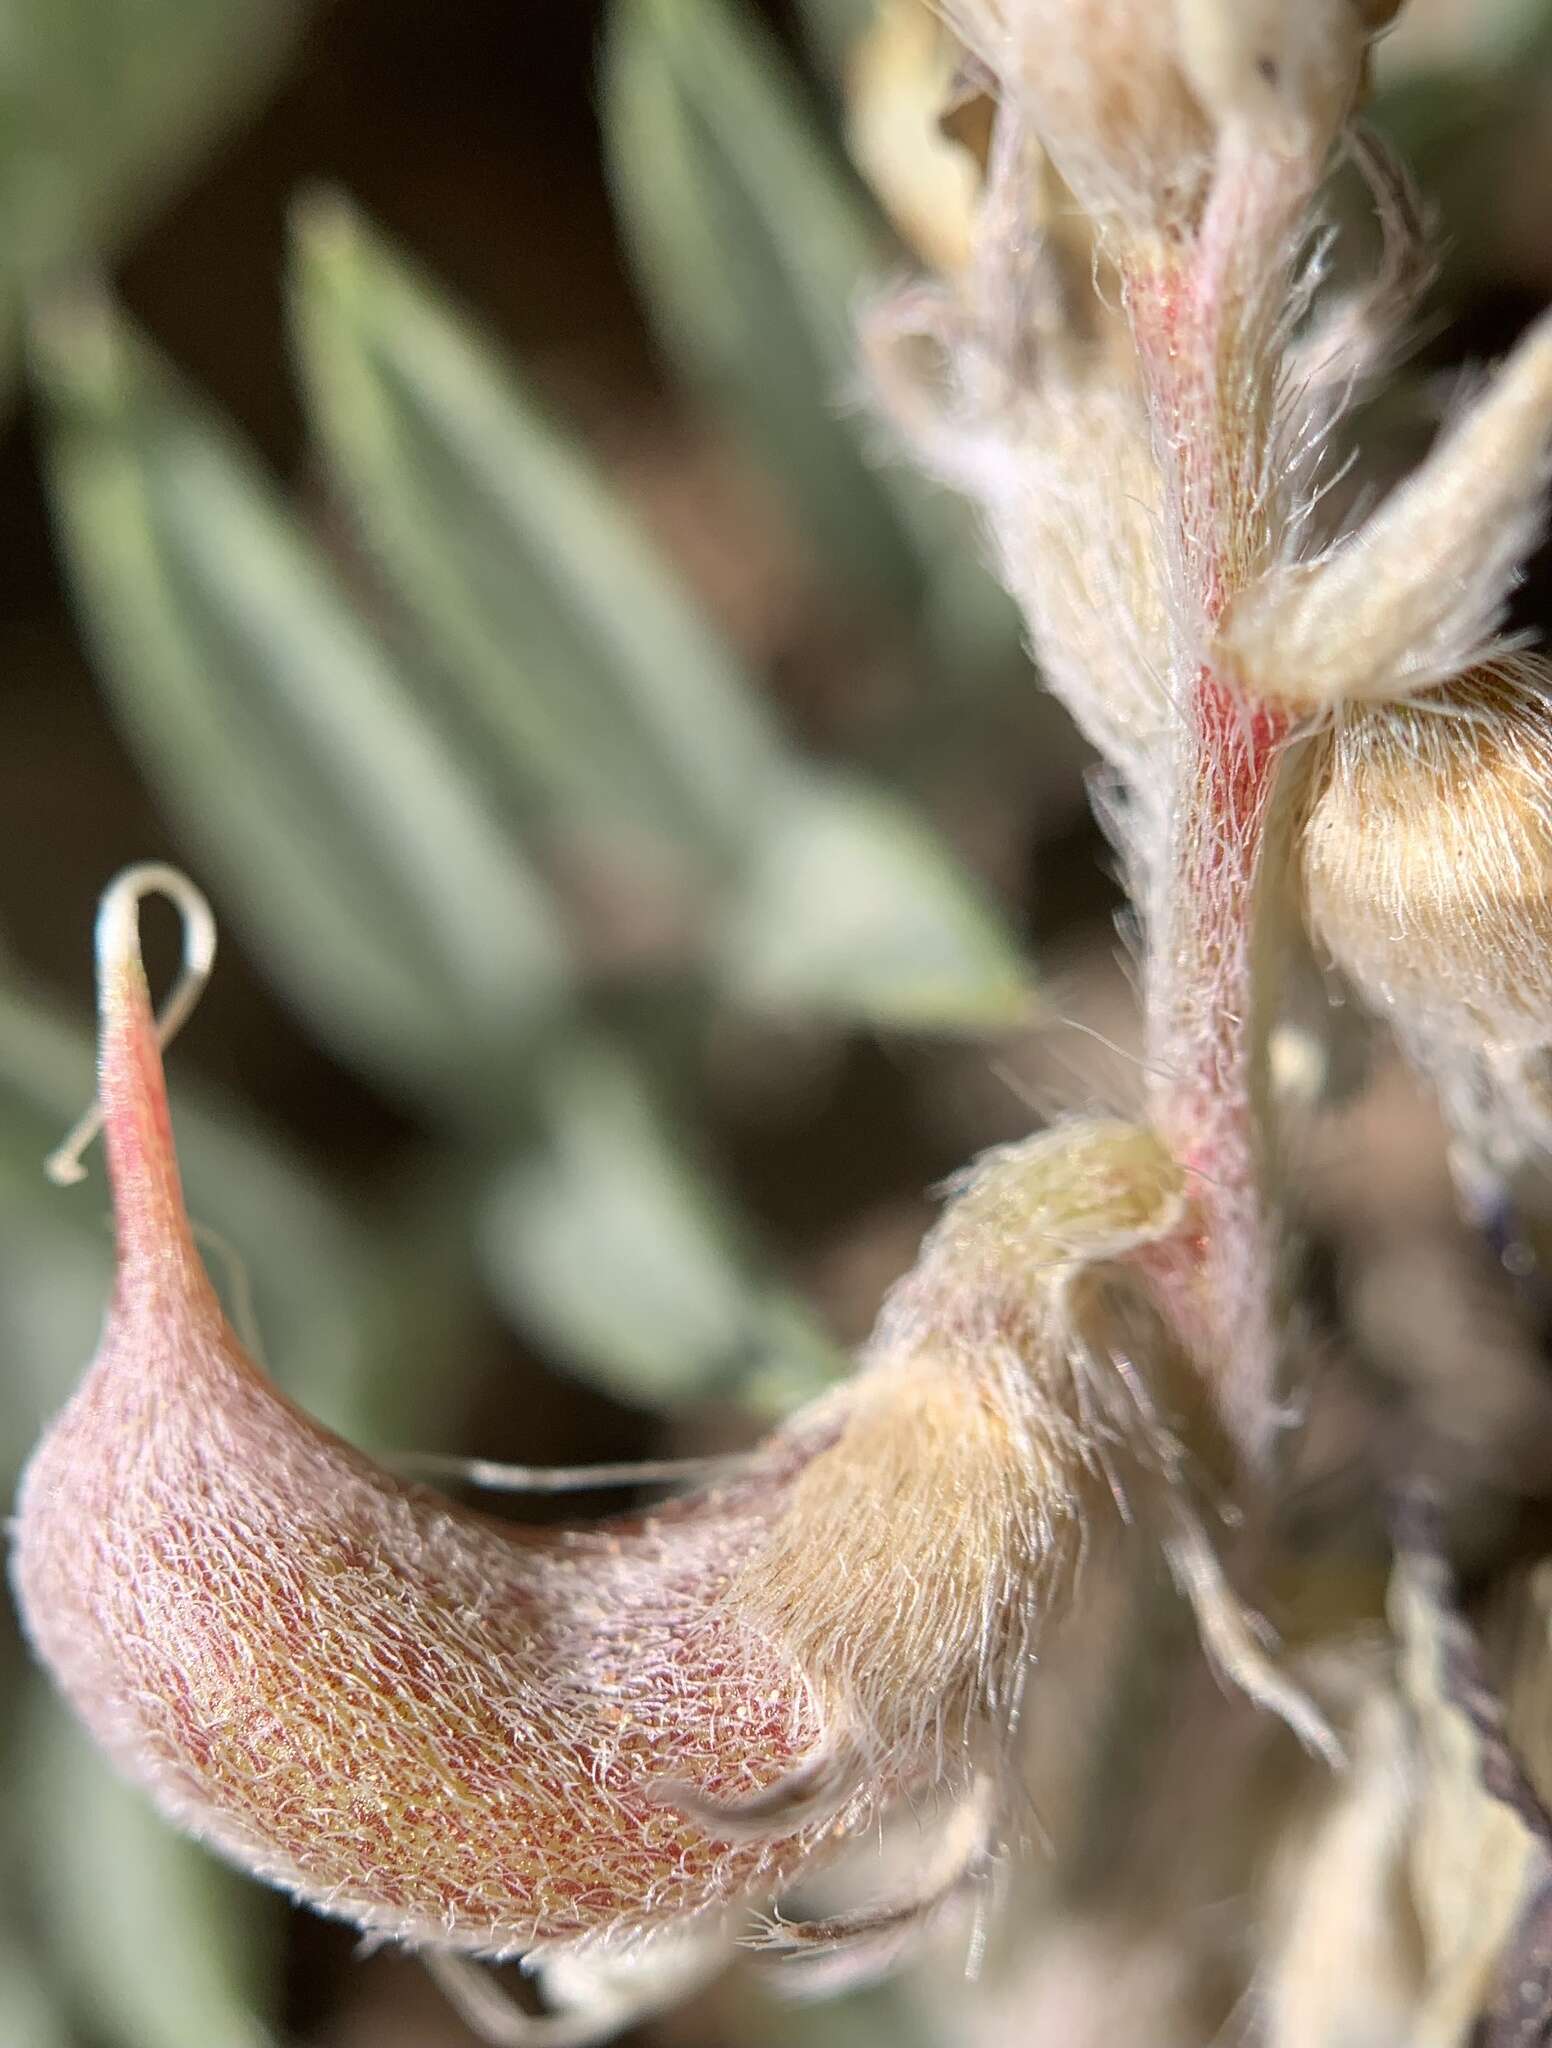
(1204, 323)
(1212, 1108)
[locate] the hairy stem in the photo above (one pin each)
(1206, 328)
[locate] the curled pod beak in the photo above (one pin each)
(408, 1714)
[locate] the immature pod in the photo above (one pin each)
(1427, 853)
(486, 1739)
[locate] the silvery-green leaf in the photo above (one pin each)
(159, 1945)
(752, 241)
(855, 909)
(600, 694)
(104, 109)
(755, 244)
(321, 803)
(604, 1241)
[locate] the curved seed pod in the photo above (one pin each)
(487, 1739)
(408, 1714)
(1427, 850)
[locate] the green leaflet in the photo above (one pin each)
(159, 1945)
(755, 246)
(315, 791)
(855, 909)
(602, 700)
(103, 110)
(752, 244)
(578, 657)
(603, 1240)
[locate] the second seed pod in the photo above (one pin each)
(1427, 854)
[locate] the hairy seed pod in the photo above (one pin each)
(1427, 852)
(480, 1738)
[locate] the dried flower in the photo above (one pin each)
(1289, 73)
(1426, 850)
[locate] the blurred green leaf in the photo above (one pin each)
(603, 1240)
(855, 909)
(323, 802)
(602, 696)
(752, 242)
(1464, 121)
(831, 27)
(523, 569)
(884, 2016)
(102, 111)
(31, 2010)
(159, 1945)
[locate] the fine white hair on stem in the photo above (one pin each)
(118, 942)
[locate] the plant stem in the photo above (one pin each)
(1205, 325)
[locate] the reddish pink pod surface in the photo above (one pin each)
(408, 1714)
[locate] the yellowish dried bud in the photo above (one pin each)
(1101, 83)
(1063, 471)
(1289, 69)
(899, 82)
(1427, 854)
(1131, 97)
